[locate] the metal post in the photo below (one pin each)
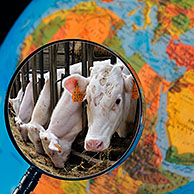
(62, 89)
(73, 53)
(113, 59)
(84, 60)
(90, 51)
(34, 79)
(67, 65)
(27, 72)
(84, 73)
(53, 76)
(23, 78)
(17, 83)
(41, 67)
(13, 90)
(67, 72)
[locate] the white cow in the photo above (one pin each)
(25, 111)
(41, 114)
(16, 102)
(108, 93)
(65, 124)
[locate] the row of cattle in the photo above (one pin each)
(109, 109)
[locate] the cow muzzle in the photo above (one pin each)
(94, 145)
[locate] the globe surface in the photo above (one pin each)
(156, 38)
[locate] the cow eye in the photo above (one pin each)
(118, 100)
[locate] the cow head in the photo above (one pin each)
(22, 130)
(56, 150)
(106, 90)
(15, 102)
(33, 131)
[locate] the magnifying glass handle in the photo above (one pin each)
(28, 181)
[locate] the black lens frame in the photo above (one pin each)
(140, 119)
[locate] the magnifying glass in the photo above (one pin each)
(74, 110)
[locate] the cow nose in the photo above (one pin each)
(94, 145)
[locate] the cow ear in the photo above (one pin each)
(54, 145)
(11, 102)
(76, 80)
(128, 82)
(23, 126)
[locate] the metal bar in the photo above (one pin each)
(84, 73)
(13, 91)
(56, 46)
(27, 72)
(67, 65)
(101, 58)
(84, 60)
(41, 67)
(113, 59)
(67, 72)
(17, 80)
(39, 86)
(62, 89)
(53, 76)
(23, 79)
(90, 52)
(73, 52)
(34, 79)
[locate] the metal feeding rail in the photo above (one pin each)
(36, 67)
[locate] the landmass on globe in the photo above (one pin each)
(156, 38)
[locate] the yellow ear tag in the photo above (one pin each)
(134, 92)
(77, 95)
(59, 147)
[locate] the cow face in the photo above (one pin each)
(15, 102)
(106, 91)
(58, 150)
(21, 128)
(106, 101)
(33, 131)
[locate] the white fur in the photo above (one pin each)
(106, 84)
(64, 126)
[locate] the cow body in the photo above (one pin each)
(64, 126)
(16, 102)
(25, 111)
(40, 117)
(26, 107)
(41, 114)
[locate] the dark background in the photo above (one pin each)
(9, 12)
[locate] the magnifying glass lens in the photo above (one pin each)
(74, 109)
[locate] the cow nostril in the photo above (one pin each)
(99, 144)
(88, 145)
(94, 145)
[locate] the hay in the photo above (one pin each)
(80, 163)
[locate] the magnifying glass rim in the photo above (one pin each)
(128, 151)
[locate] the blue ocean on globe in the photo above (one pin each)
(12, 165)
